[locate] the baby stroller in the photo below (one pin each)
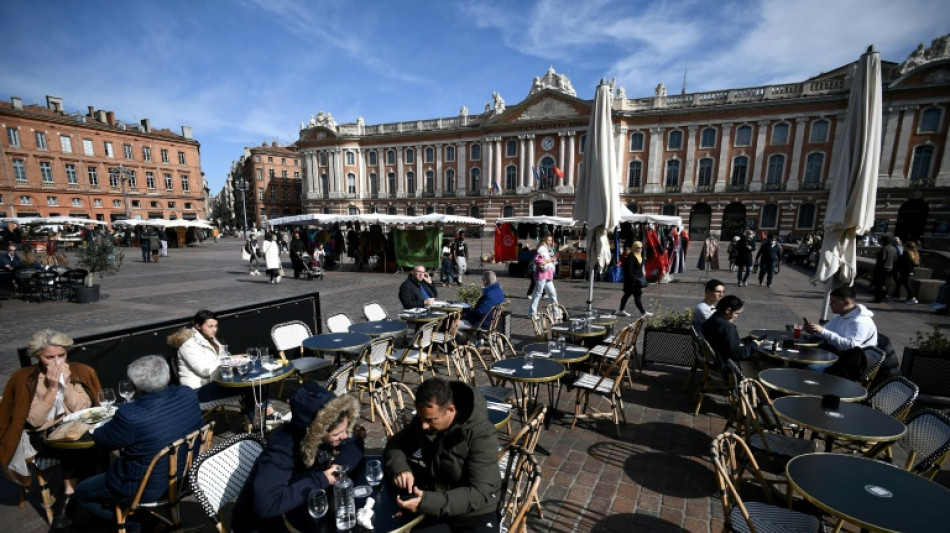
(312, 267)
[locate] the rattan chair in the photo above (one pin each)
(288, 337)
(763, 430)
(372, 368)
(464, 370)
(541, 323)
(218, 475)
(711, 379)
(519, 490)
(557, 313)
(927, 442)
(732, 458)
(374, 311)
(894, 396)
(874, 357)
(339, 381)
(445, 336)
(606, 384)
(38, 466)
(339, 323)
(417, 354)
(394, 402)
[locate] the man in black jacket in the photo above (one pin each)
(417, 290)
(722, 334)
(296, 250)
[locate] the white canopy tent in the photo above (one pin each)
(628, 216)
(539, 219)
(374, 218)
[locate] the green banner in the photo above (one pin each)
(418, 247)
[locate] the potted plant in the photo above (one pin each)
(668, 338)
(99, 255)
(468, 294)
(926, 362)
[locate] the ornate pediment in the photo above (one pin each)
(548, 108)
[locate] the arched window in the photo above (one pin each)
(634, 173)
(740, 166)
(508, 211)
(391, 210)
(511, 177)
(930, 120)
(326, 210)
(704, 176)
(636, 142)
(474, 212)
(708, 138)
(353, 210)
(672, 174)
(819, 131)
(430, 183)
(430, 209)
(769, 216)
(744, 136)
(920, 168)
(476, 152)
(411, 183)
(450, 181)
(430, 155)
(390, 157)
(371, 156)
(351, 183)
(675, 140)
(476, 180)
(325, 184)
(391, 182)
(373, 184)
(775, 173)
(814, 166)
(780, 133)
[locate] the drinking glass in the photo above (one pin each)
(528, 361)
(224, 350)
(106, 398)
(374, 473)
(252, 355)
(126, 390)
(243, 368)
(317, 503)
(227, 371)
(562, 343)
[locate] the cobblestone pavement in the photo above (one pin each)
(655, 477)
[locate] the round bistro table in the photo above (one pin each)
(805, 355)
(850, 421)
(528, 381)
(379, 328)
(810, 383)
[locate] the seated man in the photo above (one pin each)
(10, 260)
(851, 327)
(492, 295)
(722, 334)
(705, 309)
(446, 459)
(160, 415)
(417, 290)
(300, 458)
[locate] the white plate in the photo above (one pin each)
(78, 415)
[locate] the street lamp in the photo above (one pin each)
(240, 184)
(124, 174)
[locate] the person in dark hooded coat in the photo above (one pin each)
(299, 458)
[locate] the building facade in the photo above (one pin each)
(94, 166)
(725, 161)
(272, 183)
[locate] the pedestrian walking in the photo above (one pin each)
(634, 279)
(744, 249)
(768, 258)
(271, 251)
(883, 267)
(252, 254)
(904, 267)
(544, 272)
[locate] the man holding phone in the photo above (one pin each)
(851, 327)
(417, 290)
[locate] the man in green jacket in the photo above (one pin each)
(445, 462)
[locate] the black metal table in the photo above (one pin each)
(811, 383)
(850, 421)
(781, 335)
(805, 355)
(379, 328)
(528, 381)
(869, 493)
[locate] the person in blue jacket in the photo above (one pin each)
(492, 295)
(300, 458)
(160, 415)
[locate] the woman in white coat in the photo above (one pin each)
(271, 251)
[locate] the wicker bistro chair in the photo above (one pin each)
(462, 365)
(894, 396)
(340, 380)
(735, 376)
(732, 458)
(927, 442)
(541, 323)
(875, 359)
(339, 323)
(527, 438)
(42, 286)
(557, 313)
(417, 354)
(624, 341)
(375, 311)
(38, 466)
(191, 445)
(606, 384)
(394, 402)
(762, 427)
(444, 338)
(218, 475)
(372, 368)
(712, 378)
(288, 337)
(68, 281)
(519, 490)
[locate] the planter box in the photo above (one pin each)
(668, 347)
(930, 373)
(86, 295)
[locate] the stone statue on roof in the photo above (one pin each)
(660, 90)
(498, 102)
(552, 80)
(939, 49)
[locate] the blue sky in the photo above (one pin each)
(243, 72)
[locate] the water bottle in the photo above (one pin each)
(344, 502)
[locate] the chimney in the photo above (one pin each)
(186, 132)
(55, 103)
(17, 103)
(92, 112)
(110, 118)
(147, 124)
(101, 116)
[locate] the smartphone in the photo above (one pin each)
(806, 321)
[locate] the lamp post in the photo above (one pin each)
(240, 184)
(124, 175)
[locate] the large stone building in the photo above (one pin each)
(91, 165)
(724, 160)
(271, 185)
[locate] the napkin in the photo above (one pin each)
(508, 371)
(496, 406)
(69, 431)
(364, 516)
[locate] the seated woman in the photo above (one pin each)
(300, 458)
(36, 398)
(198, 356)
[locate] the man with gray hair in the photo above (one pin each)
(492, 295)
(160, 415)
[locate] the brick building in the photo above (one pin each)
(91, 165)
(724, 160)
(273, 182)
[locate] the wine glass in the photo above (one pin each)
(224, 352)
(126, 390)
(317, 503)
(374, 473)
(106, 398)
(252, 355)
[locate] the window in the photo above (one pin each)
(774, 173)
(920, 168)
(430, 155)
(704, 176)
(430, 183)
(108, 149)
(13, 137)
(260, 174)
(127, 150)
(929, 120)
(93, 174)
(150, 180)
(669, 210)
(270, 159)
(257, 159)
(675, 140)
(390, 157)
(87, 148)
(814, 165)
(41, 140)
(184, 183)
(350, 158)
(67, 143)
(283, 160)
(270, 173)
(476, 152)
(26, 200)
(52, 200)
(133, 182)
(296, 174)
(77, 202)
(511, 148)
(71, 177)
(187, 205)
(672, 174)
(19, 170)
(634, 174)
(136, 203)
(819, 131)
(636, 142)
(146, 153)
(806, 217)
(410, 156)
(260, 193)
(323, 159)
(744, 136)
(351, 183)
(449, 210)
(372, 159)
(297, 164)
(181, 158)
(1, 199)
(508, 211)
(171, 205)
(475, 212)
(450, 181)
(325, 184)
(97, 202)
(113, 179)
(511, 177)
(286, 192)
(273, 193)
(116, 203)
(769, 216)
(707, 139)
(391, 182)
(46, 171)
(373, 184)
(780, 133)
(740, 166)
(476, 180)
(168, 182)
(583, 143)
(391, 210)
(283, 173)
(450, 153)
(164, 156)
(411, 183)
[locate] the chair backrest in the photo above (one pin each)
(339, 323)
(732, 458)
(519, 488)
(289, 336)
(894, 396)
(449, 325)
(558, 313)
(928, 441)
(527, 437)
(489, 321)
(339, 382)
(179, 456)
(377, 351)
(375, 311)
(875, 358)
(423, 338)
(542, 327)
(758, 414)
(394, 403)
(501, 347)
(43, 277)
(461, 362)
(219, 474)
(614, 371)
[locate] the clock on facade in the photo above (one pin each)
(547, 143)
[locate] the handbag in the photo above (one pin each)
(245, 256)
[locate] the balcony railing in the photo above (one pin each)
(672, 188)
(428, 194)
(392, 194)
(450, 194)
(811, 186)
(374, 195)
(737, 187)
(632, 190)
(704, 188)
(475, 192)
(923, 182)
(774, 187)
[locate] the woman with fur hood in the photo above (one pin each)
(300, 458)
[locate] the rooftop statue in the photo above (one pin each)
(552, 80)
(939, 49)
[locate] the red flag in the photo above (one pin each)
(506, 243)
(558, 172)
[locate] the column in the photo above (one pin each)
(689, 180)
(907, 126)
(532, 156)
(620, 138)
(724, 162)
(420, 179)
(488, 163)
(499, 169)
(569, 172)
(522, 162)
(381, 182)
(756, 183)
(838, 152)
(439, 186)
(362, 178)
(943, 172)
(400, 178)
(891, 121)
(461, 176)
(312, 176)
(654, 183)
(794, 169)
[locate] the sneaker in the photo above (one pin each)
(912, 300)
(622, 313)
(938, 305)
(273, 420)
(648, 314)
